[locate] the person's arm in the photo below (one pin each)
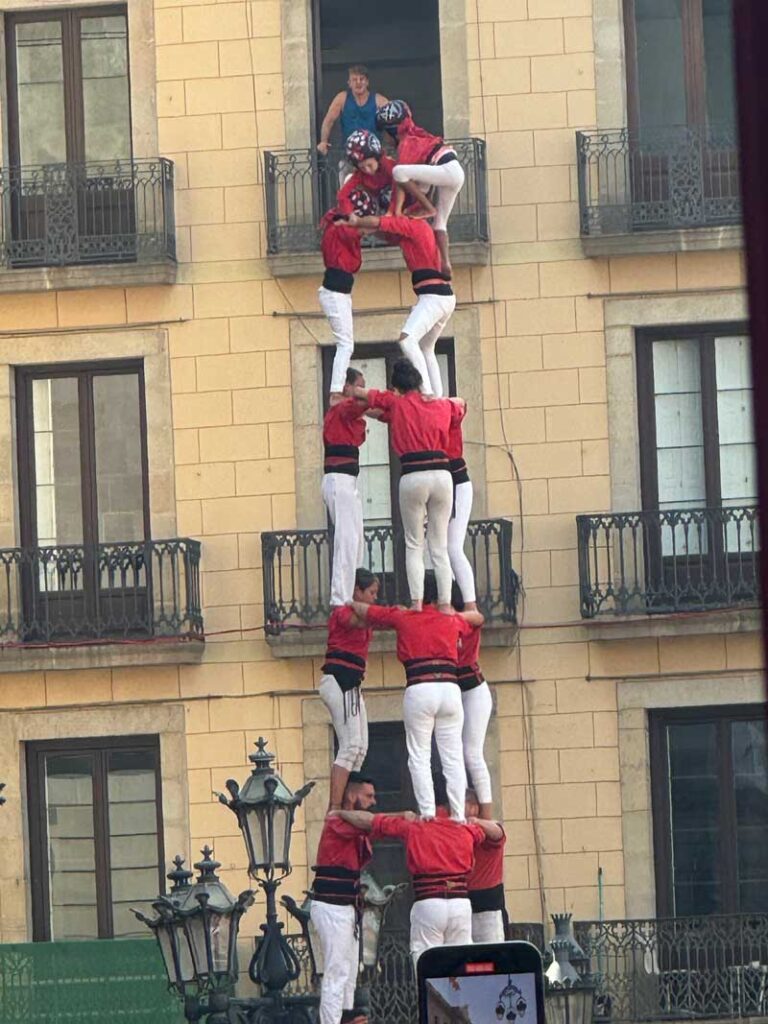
(332, 116)
(348, 617)
(458, 409)
(354, 220)
(473, 618)
(362, 820)
(390, 826)
(492, 829)
(383, 400)
(378, 616)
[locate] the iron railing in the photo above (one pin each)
(81, 592)
(58, 215)
(297, 569)
(668, 560)
(301, 186)
(679, 968)
(658, 179)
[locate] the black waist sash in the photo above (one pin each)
(420, 462)
(337, 280)
(342, 458)
(335, 885)
(487, 899)
(429, 670)
(440, 887)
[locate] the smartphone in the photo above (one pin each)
(481, 984)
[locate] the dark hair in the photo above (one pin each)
(353, 375)
(358, 69)
(364, 578)
(358, 779)
(405, 376)
(430, 587)
(457, 598)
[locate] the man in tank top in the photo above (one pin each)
(356, 106)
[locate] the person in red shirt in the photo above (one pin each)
(440, 855)
(486, 880)
(342, 256)
(460, 515)
(343, 670)
(435, 301)
(342, 853)
(477, 701)
(426, 161)
(418, 432)
(428, 648)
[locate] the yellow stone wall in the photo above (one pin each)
(541, 305)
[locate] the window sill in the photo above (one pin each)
(176, 651)
(681, 240)
(296, 644)
(101, 275)
(719, 620)
(305, 264)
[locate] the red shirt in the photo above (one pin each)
(342, 853)
(469, 674)
(417, 242)
(416, 145)
(455, 447)
(427, 641)
(489, 864)
(373, 183)
(442, 849)
(415, 425)
(346, 655)
(343, 434)
(340, 246)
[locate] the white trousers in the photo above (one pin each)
(342, 499)
(351, 730)
(427, 493)
(435, 708)
(425, 323)
(488, 926)
(337, 307)
(478, 705)
(439, 923)
(449, 179)
(457, 534)
(335, 927)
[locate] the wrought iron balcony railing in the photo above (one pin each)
(59, 215)
(297, 567)
(142, 589)
(679, 968)
(659, 179)
(301, 186)
(668, 560)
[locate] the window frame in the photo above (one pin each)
(74, 114)
(647, 439)
(658, 720)
(36, 752)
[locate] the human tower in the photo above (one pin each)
(454, 850)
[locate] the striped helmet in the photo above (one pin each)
(392, 114)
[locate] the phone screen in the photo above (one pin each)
(478, 998)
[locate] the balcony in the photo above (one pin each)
(301, 186)
(138, 597)
(659, 190)
(675, 560)
(85, 225)
(297, 568)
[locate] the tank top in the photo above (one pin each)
(354, 116)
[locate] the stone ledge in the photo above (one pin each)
(295, 644)
(101, 275)
(117, 655)
(310, 264)
(682, 240)
(719, 620)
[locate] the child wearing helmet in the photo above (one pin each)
(423, 160)
(342, 256)
(372, 169)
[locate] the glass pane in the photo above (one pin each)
(718, 61)
(373, 482)
(40, 89)
(750, 778)
(119, 479)
(71, 846)
(58, 494)
(133, 839)
(735, 421)
(660, 62)
(106, 105)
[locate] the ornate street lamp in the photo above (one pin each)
(196, 927)
(570, 996)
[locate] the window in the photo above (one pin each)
(95, 835)
(83, 491)
(68, 86)
(679, 62)
(709, 771)
(401, 52)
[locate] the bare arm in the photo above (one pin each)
(374, 414)
(492, 829)
(473, 617)
(355, 221)
(360, 609)
(360, 819)
(361, 393)
(332, 116)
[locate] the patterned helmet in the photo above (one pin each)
(385, 198)
(392, 114)
(362, 144)
(362, 202)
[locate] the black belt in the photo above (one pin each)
(459, 470)
(420, 462)
(428, 670)
(335, 885)
(347, 669)
(487, 899)
(348, 452)
(440, 887)
(469, 677)
(336, 280)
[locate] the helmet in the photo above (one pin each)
(385, 198)
(360, 145)
(362, 202)
(392, 114)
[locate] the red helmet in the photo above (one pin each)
(362, 202)
(362, 144)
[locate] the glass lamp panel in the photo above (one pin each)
(557, 1007)
(256, 836)
(196, 934)
(186, 963)
(219, 926)
(282, 821)
(164, 941)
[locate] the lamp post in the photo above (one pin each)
(569, 993)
